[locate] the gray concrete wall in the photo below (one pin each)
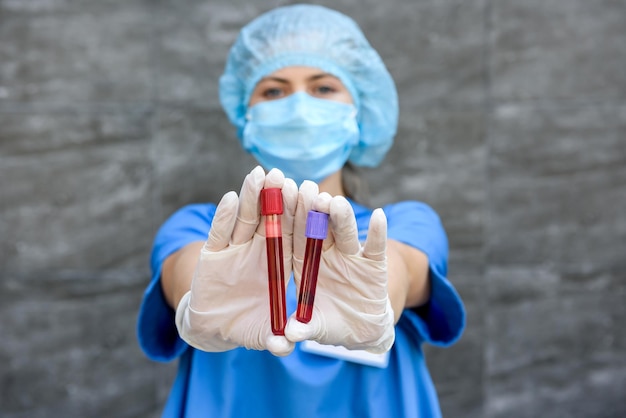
(513, 127)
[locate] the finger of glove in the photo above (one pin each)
(223, 223)
(248, 214)
(296, 331)
(273, 180)
(343, 226)
(290, 204)
(279, 345)
(376, 244)
(306, 195)
(322, 204)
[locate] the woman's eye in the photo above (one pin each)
(272, 93)
(324, 90)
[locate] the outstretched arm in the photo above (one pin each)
(409, 284)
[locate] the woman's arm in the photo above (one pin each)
(408, 285)
(178, 271)
(407, 268)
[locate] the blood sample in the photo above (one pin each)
(316, 231)
(272, 208)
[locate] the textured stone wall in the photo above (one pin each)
(513, 127)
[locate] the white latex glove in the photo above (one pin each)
(352, 306)
(228, 304)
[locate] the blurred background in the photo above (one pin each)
(513, 127)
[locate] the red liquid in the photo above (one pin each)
(276, 274)
(308, 284)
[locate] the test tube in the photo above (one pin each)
(316, 231)
(272, 208)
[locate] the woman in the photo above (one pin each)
(308, 96)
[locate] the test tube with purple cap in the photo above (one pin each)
(316, 231)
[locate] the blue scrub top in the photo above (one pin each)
(248, 383)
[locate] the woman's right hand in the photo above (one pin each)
(227, 305)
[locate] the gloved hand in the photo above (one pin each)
(228, 303)
(352, 306)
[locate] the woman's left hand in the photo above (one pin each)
(352, 306)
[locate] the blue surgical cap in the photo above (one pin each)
(315, 36)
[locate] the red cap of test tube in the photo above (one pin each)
(271, 202)
(316, 225)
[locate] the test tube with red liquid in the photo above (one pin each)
(316, 231)
(272, 209)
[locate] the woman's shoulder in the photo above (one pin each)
(402, 211)
(198, 210)
(410, 207)
(408, 221)
(402, 206)
(188, 223)
(194, 214)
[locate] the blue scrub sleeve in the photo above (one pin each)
(441, 321)
(156, 328)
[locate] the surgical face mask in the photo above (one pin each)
(305, 137)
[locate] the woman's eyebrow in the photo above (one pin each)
(322, 75)
(286, 81)
(277, 79)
